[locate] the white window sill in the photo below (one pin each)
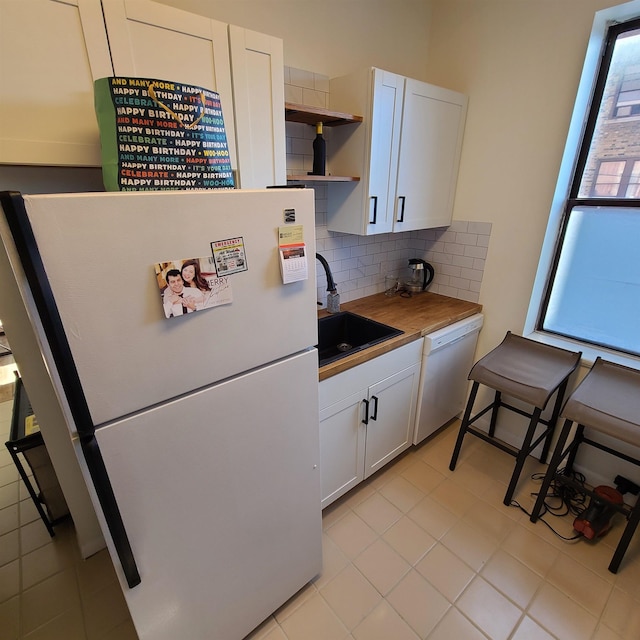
(589, 351)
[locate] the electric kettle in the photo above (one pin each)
(421, 275)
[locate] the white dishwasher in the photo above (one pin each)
(447, 359)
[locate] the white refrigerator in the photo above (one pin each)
(197, 433)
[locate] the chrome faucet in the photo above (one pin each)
(333, 297)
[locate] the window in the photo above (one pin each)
(628, 102)
(617, 179)
(592, 290)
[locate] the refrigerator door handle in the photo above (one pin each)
(104, 491)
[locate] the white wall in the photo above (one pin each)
(520, 63)
(334, 37)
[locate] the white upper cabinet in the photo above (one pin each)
(152, 40)
(257, 63)
(50, 53)
(407, 152)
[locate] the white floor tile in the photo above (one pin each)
(415, 553)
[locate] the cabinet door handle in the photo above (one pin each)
(375, 408)
(365, 420)
(401, 216)
(375, 210)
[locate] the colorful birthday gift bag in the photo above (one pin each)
(160, 135)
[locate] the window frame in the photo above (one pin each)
(573, 163)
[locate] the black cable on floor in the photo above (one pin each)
(567, 500)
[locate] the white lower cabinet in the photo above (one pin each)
(367, 418)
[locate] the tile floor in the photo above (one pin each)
(416, 552)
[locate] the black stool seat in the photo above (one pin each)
(525, 369)
(529, 371)
(607, 401)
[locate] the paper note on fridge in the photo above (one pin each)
(293, 263)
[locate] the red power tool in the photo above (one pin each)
(595, 520)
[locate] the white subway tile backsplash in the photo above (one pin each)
(299, 146)
(301, 78)
(483, 241)
(292, 94)
(462, 261)
(471, 274)
(314, 98)
(459, 226)
(358, 250)
(460, 283)
(481, 228)
(467, 238)
(454, 248)
(475, 252)
(360, 263)
(469, 296)
(478, 264)
(321, 82)
(451, 270)
(447, 291)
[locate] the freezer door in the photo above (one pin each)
(220, 496)
(99, 252)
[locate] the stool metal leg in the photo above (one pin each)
(627, 534)
(497, 402)
(553, 421)
(522, 456)
(557, 457)
(463, 426)
(577, 441)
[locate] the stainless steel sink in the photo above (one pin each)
(344, 333)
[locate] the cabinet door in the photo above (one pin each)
(341, 447)
(369, 150)
(258, 93)
(392, 410)
(151, 40)
(386, 120)
(51, 52)
(432, 128)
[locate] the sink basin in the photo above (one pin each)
(344, 333)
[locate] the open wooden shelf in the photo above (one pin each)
(313, 115)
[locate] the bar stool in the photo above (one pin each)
(607, 401)
(531, 372)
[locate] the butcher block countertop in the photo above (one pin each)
(416, 316)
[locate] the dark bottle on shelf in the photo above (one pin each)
(319, 152)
